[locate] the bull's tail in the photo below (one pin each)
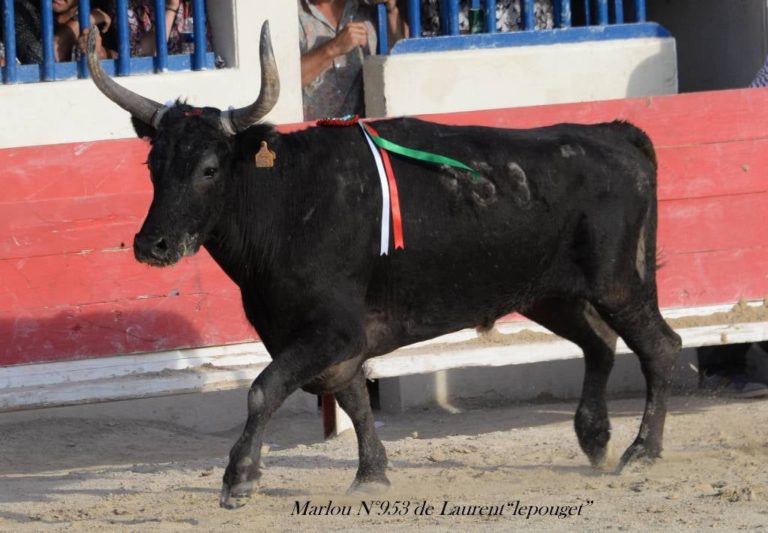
(649, 251)
(648, 260)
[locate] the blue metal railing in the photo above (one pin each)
(124, 65)
(588, 13)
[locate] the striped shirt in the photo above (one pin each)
(761, 78)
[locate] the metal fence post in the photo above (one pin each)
(414, 17)
(383, 29)
(84, 19)
(565, 13)
(9, 41)
(602, 12)
(201, 40)
(47, 69)
(528, 15)
(640, 11)
(123, 39)
(451, 16)
(161, 37)
(618, 9)
(490, 16)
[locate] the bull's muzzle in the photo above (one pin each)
(154, 250)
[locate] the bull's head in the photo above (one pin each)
(190, 159)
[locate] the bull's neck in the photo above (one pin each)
(243, 241)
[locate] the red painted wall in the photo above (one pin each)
(70, 288)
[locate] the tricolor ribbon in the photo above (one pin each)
(391, 198)
(385, 204)
(380, 149)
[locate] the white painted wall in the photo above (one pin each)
(467, 80)
(75, 111)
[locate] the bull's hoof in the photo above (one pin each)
(237, 495)
(599, 458)
(369, 487)
(638, 454)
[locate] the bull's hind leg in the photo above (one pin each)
(371, 473)
(578, 322)
(631, 310)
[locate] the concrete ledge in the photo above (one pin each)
(570, 35)
(560, 379)
(469, 80)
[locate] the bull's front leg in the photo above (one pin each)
(301, 362)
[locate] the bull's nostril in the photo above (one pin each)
(160, 245)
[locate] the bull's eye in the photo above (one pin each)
(210, 172)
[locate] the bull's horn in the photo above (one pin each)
(144, 109)
(245, 117)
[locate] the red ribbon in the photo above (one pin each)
(394, 198)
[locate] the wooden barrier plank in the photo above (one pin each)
(74, 170)
(713, 277)
(63, 225)
(714, 223)
(713, 169)
(39, 282)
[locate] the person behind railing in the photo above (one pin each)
(178, 19)
(334, 38)
(66, 27)
(508, 16)
(29, 46)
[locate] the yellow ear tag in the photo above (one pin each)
(265, 158)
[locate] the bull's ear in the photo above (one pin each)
(143, 130)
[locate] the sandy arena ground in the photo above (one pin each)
(83, 475)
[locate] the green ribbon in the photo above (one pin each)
(428, 157)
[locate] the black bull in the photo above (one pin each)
(560, 226)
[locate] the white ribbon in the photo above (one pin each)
(384, 248)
